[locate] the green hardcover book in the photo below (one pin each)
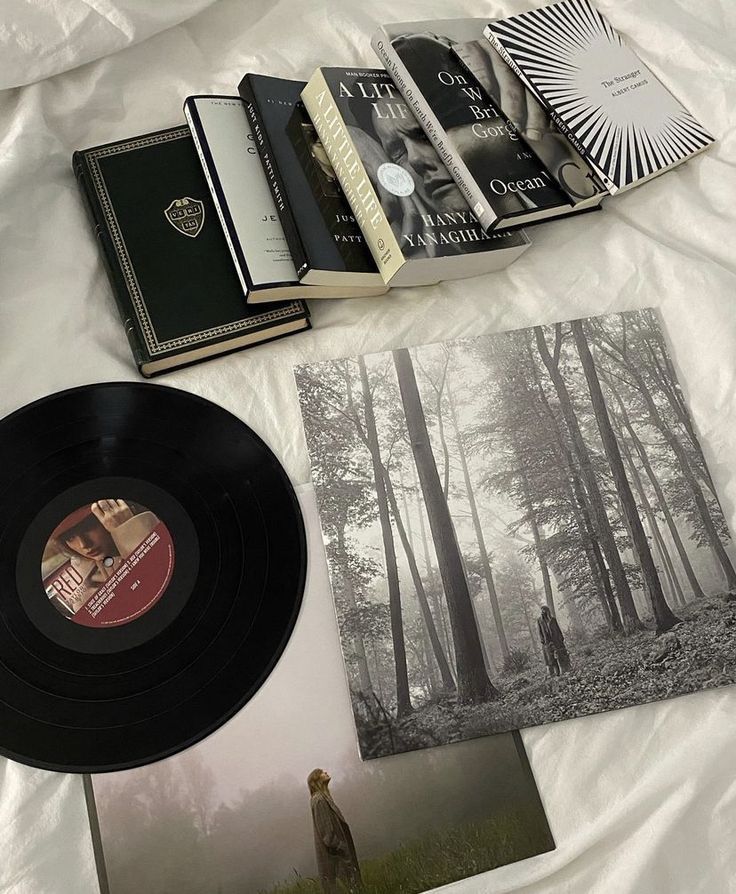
(166, 256)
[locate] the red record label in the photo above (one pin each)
(107, 563)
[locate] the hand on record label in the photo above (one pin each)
(111, 513)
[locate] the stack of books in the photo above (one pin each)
(362, 179)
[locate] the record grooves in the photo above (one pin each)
(152, 564)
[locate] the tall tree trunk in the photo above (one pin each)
(709, 527)
(572, 609)
(576, 618)
(479, 536)
(651, 518)
(671, 549)
(658, 492)
(664, 373)
(407, 513)
(580, 508)
(447, 680)
(438, 389)
(529, 508)
(439, 606)
(473, 683)
(403, 698)
(543, 567)
(641, 596)
(421, 652)
(377, 674)
(657, 421)
(488, 662)
(663, 616)
(602, 525)
(364, 676)
(432, 667)
(445, 449)
(593, 553)
(669, 568)
(532, 628)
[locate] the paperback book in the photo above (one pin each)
(326, 243)
(169, 266)
(455, 84)
(605, 100)
(417, 223)
(538, 131)
(521, 528)
(277, 801)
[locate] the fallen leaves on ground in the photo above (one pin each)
(606, 673)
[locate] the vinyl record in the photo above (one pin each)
(152, 565)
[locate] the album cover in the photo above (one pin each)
(171, 273)
(453, 81)
(278, 800)
(416, 221)
(614, 110)
(520, 528)
(325, 240)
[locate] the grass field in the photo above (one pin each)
(440, 858)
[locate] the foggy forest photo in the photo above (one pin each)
(520, 528)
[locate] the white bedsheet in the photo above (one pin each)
(642, 800)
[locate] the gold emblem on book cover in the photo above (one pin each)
(186, 215)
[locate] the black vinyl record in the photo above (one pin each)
(152, 565)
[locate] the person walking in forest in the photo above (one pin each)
(337, 861)
(556, 656)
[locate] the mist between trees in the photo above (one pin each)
(464, 486)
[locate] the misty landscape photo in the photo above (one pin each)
(416, 825)
(520, 528)
(278, 801)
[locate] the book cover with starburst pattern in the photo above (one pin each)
(611, 106)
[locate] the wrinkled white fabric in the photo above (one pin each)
(41, 38)
(641, 801)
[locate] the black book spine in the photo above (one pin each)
(275, 181)
(110, 261)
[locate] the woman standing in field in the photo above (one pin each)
(337, 862)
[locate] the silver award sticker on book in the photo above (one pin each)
(395, 179)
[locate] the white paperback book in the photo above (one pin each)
(611, 106)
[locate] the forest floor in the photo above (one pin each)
(606, 673)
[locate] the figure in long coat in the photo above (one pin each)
(556, 656)
(337, 862)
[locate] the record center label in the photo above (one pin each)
(107, 563)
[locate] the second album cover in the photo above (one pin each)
(278, 800)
